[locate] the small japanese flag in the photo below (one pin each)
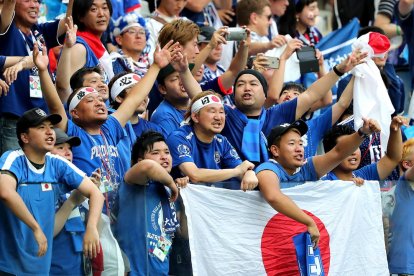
(46, 187)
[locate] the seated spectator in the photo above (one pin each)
(19, 29)
(27, 199)
(147, 217)
(348, 168)
(287, 164)
(199, 150)
(130, 34)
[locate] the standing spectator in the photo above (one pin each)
(406, 21)
(19, 30)
(27, 198)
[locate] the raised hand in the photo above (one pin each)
(71, 30)
(370, 126)
(278, 41)
(218, 37)
(164, 56)
(41, 60)
(397, 122)
(180, 62)
(355, 58)
(293, 45)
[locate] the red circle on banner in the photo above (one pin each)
(278, 250)
(215, 99)
(136, 77)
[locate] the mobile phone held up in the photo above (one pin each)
(307, 59)
(236, 34)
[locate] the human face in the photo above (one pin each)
(27, 12)
(351, 163)
(172, 7)
(191, 49)
(249, 96)
(290, 152)
(199, 74)
(215, 54)
(40, 138)
(143, 106)
(307, 17)
(174, 89)
(64, 150)
(96, 81)
(96, 20)
(263, 22)
(160, 153)
(133, 40)
(91, 110)
(210, 119)
(287, 95)
(278, 7)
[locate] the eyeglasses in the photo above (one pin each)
(135, 32)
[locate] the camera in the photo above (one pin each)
(307, 59)
(236, 34)
(273, 62)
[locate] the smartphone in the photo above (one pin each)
(273, 62)
(236, 34)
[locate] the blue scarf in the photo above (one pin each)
(254, 142)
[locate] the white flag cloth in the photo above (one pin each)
(371, 99)
(238, 233)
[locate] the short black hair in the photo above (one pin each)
(77, 79)
(293, 85)
(368, 29)
(145, 143)
(81, 8)
(330, 138)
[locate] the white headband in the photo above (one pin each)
(79, 96)
(205, 101)
(123, 83)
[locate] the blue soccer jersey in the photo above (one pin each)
(167, 117)
(18, 247)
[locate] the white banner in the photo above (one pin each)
(238, 233)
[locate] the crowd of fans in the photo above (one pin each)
(143, 103)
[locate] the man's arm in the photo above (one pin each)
(270, 189)
(14, 202)
(141, 90)
(394, 149)
(6, 16)
(198, 175)
(191, 86)
(146, 170)
(405, 7)
(262, 47)
(345, 146)
(323, 85)
(49, 92)
(344, 101)
(91, 238)
(197, 5)
(62, 22)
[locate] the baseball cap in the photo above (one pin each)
(62, 137)
(35, 117)
(206, 33)
(278, 131)
(168, 70)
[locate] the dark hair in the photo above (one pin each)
(368, 29)
(114, 103)
(81, 8)
(287, 22)
(145, 143)
(330, 138)
(77, 79)
(246, 7)
(291, 85)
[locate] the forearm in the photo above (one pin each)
(223, 4)
(50, 94)
(62, 75)
(394, 146)
(259, 47)
(276, 83)
(10, 61)
(347, 145)
(209, 175)
(201, 58)
(7, 14)
(197, 5)
(61, 216)
(190, 84)
(96, 201)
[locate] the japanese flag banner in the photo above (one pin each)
(238, 233)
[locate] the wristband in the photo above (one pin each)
(362, 134)
(337, 72)
(398, 29)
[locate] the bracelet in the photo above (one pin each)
(362, 134)
(398, 29)
(337, 72)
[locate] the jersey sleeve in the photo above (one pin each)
(180, 148)
(68, 173)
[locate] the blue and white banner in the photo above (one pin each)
(238, 233)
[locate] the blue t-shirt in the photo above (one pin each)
(305, 173)
(276, 115)
(100, 151)
(185, 147)
(140, 228)
(14, 43)
(144, 125)
(317, 128)
(18, 247)
(401, 250)
(369, 172)
(167, 117)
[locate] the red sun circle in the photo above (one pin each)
(136, 77)
(89, 89)
(215, 99)
(278, 250)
